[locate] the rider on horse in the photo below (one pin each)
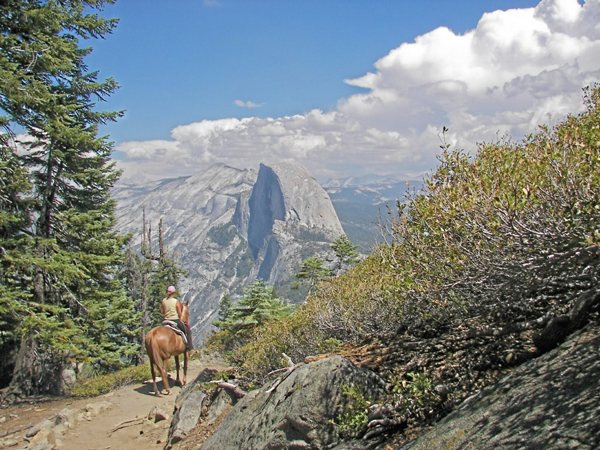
(171, 310)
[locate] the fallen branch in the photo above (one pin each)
(8, 433)
(127, 423)
(291, 367)
(229, 387)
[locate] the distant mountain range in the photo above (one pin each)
(362, 204)
(229, 226)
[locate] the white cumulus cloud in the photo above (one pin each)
(243, 104)
(517, 69)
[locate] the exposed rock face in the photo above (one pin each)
(229, 226)
(550, 402)
(288, 210)
(299, 413)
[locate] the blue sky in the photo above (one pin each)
(341, 87)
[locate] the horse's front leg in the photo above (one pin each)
(177, 369)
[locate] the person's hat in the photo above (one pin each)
(171, 289)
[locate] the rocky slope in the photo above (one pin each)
(546, 402)
(550, 402)
(229, 226)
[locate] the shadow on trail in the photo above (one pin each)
(147, 389)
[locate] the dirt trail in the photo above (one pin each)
(128, 403)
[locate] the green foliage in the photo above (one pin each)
(345, 253)
(508, 236)
(312, 271)
(356, 414)
(416, 389)
(59, 253)
(258, 305)
(103, 384)
(226, 312)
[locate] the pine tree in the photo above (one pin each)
(345, 253)
(15, 245)
(258, 305)
(135, 274)
(225, 312)
(312, 271)
(75, 308)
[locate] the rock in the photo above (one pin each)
(65, 419)
(156, 414)
(220, 406)
(299, 413)
(94, 409)
(230, 226)
(8, 442)
(44, 439)
(186, 417)
(45, 424)
(69, 377)
(289, 210)
(198, 225)
(549, 402)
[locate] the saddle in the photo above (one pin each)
(173, 326)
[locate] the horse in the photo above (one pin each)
(162, 343)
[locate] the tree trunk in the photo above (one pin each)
(36, 373)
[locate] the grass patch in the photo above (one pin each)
(103, 384)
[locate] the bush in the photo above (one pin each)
(102, 384)
(499, 242)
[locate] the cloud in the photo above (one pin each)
(243, 104)
(512, 71)
(517, 69)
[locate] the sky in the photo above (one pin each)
(341, 87)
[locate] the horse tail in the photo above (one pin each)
(153, 352)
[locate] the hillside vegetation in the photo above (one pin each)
(496, 262)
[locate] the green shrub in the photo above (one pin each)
(356, 414)
(506, 237)
(102, 384)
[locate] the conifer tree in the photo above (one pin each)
(312, 271)
(73, 307)
(225, 312)
(258, 305)
(345, 253)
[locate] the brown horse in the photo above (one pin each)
(162, 343)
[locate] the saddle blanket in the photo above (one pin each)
(173, 326)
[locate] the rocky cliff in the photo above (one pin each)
(290, 218)
(229, 226)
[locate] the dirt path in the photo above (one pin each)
(126, 405)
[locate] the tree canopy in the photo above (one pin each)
(61, 301)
